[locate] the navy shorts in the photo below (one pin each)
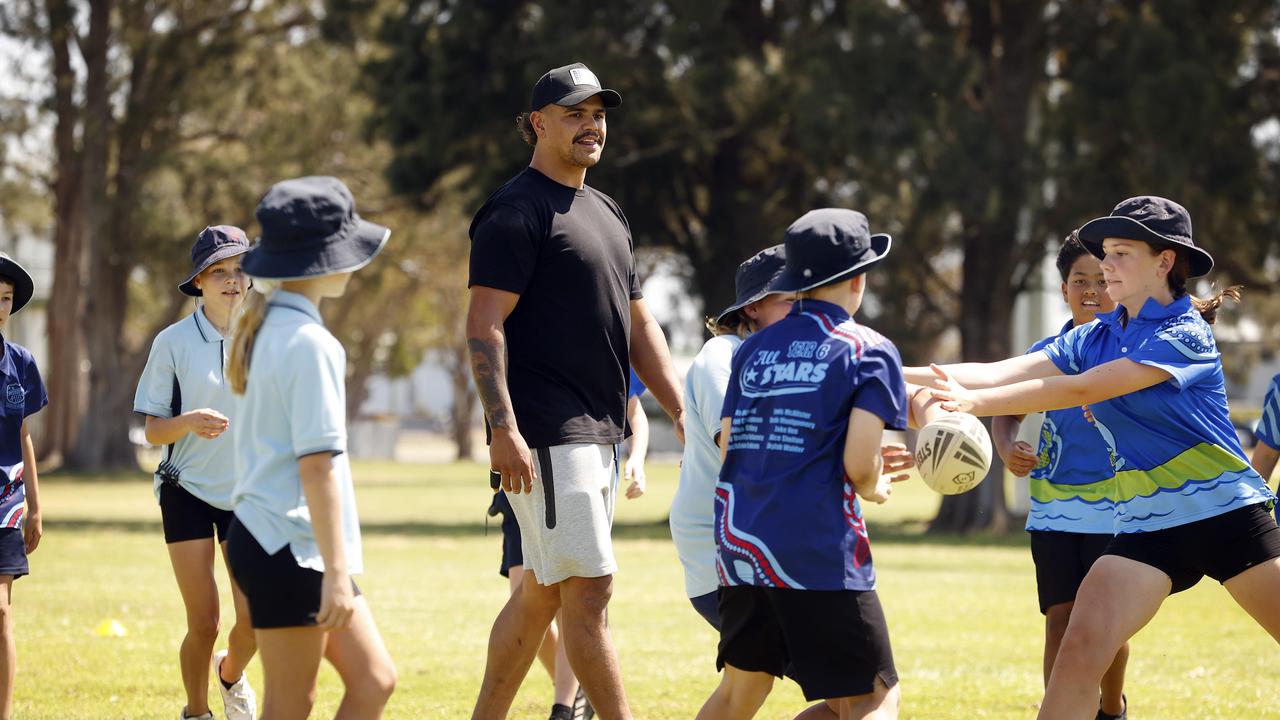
(512, 550)
(1221, 547)
(187, 517)
(832, 643)
(13, 553)
(280, 593)
(1062, 560)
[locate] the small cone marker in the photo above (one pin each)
(110, 628)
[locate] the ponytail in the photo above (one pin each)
(252, 312)
(1207, 307)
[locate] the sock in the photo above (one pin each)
(225, 684)
(561, 712)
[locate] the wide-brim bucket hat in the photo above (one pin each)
(753, 279)
(213, 245)
(23, 286)
(1155, 220)
(827, 245)
(310, 228)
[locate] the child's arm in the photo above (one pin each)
(1264, 460)
(205, 423)
(1018, 456)
(33, 526)
(320, 486)
(984, 375)
(634, 468)
(1103, 382)
(863, 463)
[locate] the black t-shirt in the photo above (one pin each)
(567, 253)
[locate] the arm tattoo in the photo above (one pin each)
(488, 366)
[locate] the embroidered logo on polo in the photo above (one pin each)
(768, 374)
(1050, 450)
(15, 395)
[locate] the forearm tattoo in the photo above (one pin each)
(488, 366)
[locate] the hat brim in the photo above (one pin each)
(335, 254)
(720, 319)
(792, 281)
(23, 286)
(1099, 229)
(610, 98)
(188, 286)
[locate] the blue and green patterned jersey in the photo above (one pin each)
(1071, 483)
(1269, 426)
(1176, 455)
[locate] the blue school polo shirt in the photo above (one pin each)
(1269, 425)
(294, 405)
(24, 395)
(186, 371)
(1071, 483)
(1174, 450)
(786, 515)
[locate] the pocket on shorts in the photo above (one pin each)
(548, 478)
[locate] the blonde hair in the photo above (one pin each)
(248, 322)
(735, 324)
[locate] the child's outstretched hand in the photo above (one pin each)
(882, 490)
(32, 530)
(633, 471)
(896, 459)
(954, 396)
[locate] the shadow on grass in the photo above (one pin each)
(909, 532)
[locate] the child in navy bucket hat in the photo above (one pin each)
(294, 544)
(21, 523)
(187, 405)
(807, 403)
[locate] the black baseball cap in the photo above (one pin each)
(570, 85)
(1154, 220)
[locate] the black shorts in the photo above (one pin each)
(280, 593)
(187, 517)
(1221, 547)
(512, 550)
(13, 553)
(833, 643)
(1062, 560)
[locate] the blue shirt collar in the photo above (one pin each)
(1152, 311)
(208, 332)
(823, 307)
(296, 301)
(6, 360)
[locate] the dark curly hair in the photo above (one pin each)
(525, 126)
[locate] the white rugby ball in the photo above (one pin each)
(953, 453)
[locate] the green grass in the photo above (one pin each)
(963, 617)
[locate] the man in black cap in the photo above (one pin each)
(556, 318)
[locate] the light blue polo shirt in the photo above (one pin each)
(1071, 482)
(294, 405)
(1175, 452)
(1269, 426)
(24, 395)
(185, 371)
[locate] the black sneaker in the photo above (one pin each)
(561, 712)
(582, 707)
(1124, 714)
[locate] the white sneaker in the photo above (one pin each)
(185, 716)
(240, 702)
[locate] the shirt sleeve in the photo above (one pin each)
(1065, 350)
(733, 389)
(155, 393)
(1186, 350)
(1269, 426)
(636, 387)
(504, 250)
(709, 384)
(37, 396)
(881, 388)
(315, 393)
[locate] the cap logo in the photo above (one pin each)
(1155, 211)
(583, 76)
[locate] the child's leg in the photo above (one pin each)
(1118, 597)
(825, 710)
(241, 642)
(1256, 590)
(566, 683)
(9, 651)
(363, 663)
(879, 704)
(1056, 618)
(549, 650)
(290, 661)
(193, 569)
(739, 695)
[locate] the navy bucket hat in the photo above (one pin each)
(827, 245)
(310, 228)
(570, 85)
(213, 245)
(1155, 220)
(753, 279)
(23, 287)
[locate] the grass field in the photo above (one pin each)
(966, 631)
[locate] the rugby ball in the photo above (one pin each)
(953, 453)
